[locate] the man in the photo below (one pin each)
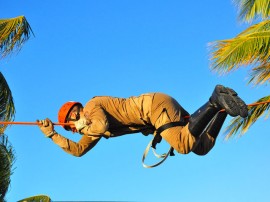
(153, 113)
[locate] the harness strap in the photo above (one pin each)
(163, 156)
(157, 139)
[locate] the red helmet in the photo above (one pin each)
(64, 111)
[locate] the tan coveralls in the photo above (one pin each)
(112, 117)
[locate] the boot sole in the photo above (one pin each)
(229, 100)
(243, 110)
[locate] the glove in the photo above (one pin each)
(81, 124)
(46, 127)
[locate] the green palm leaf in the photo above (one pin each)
(252, 9)
(254, 113)
(7, 108)
(13, 33)
(38, 198)
(249, 47)
(7, 160)
(260, 74)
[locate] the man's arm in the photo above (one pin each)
(85, 144)
(98, 123)
(78, 149)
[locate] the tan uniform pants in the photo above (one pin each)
(165, 109)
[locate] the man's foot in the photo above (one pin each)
(227, 98)
(243, 110)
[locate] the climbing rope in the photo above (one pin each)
(163, 156)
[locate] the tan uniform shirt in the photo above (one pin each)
(112, 116)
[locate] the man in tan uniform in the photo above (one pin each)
(152, 113)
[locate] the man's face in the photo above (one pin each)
(73, 113)
(72, 116)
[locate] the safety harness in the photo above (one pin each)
(157, 139)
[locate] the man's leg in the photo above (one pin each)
(208, 137)
(215, 125)
(221, 98)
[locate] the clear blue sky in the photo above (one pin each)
(124, 48)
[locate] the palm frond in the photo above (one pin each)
(7, 108)
(13, 33)
(252, 46)
(249, 10)
(40, 198)
(260, 74)
(7, 159)
(243, 124)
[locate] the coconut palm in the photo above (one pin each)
(250, 48)
(13, 33)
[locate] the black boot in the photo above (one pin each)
(216, 123)
(227, 98)
(200, 119)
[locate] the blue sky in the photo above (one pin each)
(123, 48)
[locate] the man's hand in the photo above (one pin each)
(46, 126)
(81, 124)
